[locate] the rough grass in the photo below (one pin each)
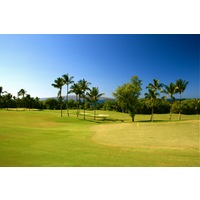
(43, 138)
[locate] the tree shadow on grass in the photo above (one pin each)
(153, 121)
(104, 120)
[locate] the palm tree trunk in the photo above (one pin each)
(61, 109)
(78, 110)
(61, 106)
(76, 105)
(179, 116)
(84, 105)
(23, 102)
(152, 110)
(67, 102)
(170, 116)
(94, 110)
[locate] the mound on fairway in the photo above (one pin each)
(174, 135)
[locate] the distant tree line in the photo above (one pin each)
(161, 106)
(126, 98)
(22, 100)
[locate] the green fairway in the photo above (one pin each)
(43, 138)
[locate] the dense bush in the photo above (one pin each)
(189, 106)
(161, 106)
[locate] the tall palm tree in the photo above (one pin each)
(181, 86)
(58, 83)
(67, 81)
(93, 97)
(75, 88)
(170, 90)
(155, 86)
(22, 93)
(84, 85)
(153, 94)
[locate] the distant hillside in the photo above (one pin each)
(73, 97)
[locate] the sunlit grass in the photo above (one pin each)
(43, 138)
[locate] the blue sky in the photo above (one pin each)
(33, 62)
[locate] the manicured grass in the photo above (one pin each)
(43, 138)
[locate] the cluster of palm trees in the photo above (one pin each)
(8, 100)
(80, 89)
(173, 88)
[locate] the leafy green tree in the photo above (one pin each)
(196, 103)
(51, 103)
(22, 93)
(181, 86)
(67, 81)
(58, 83)
(170, 90)
(127, 95)
(93, 97)
(7, 99)
(37, 103)
(1, 90)
(109, 105)
(72, 104)
(84, 85)
(75, 88)
(153, 94)
(28, 101)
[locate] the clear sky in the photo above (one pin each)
(33, 62)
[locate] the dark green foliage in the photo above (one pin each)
(188, 107)
(181, 86)
(51, 104)
(160, 106)
(127, 96)
(109, 105)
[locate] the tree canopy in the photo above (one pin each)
(127, 95)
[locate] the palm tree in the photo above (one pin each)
(170, 90)
(58, 83)
(93, 97)
(22, 93)
(153, 94)
(75, 88)
(67, 80)
(181, 86)
(84, 85)
(155, 86)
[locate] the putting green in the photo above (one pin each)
(173, 135)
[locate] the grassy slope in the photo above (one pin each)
(42, 138)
